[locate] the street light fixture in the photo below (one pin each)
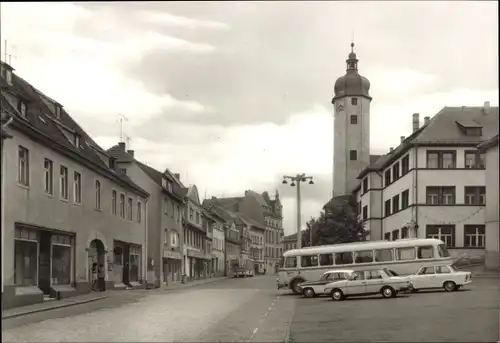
(298, 179)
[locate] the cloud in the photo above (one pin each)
(164, 18)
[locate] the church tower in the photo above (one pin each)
(351, 127)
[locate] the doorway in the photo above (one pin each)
(126, 264)
(96, 257)
(44, 262)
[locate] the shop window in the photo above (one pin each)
(61, 261)
(25, 262)
(135, 253)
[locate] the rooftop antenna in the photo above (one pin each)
(122, 118)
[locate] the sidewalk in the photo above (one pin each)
(95, 296)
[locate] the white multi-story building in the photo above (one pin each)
(433, 184)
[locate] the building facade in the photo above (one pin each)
(218, 224)
(290, 242)
(492, 244)
(433, 184)
(233, 247)
(166, 208)
(257, 243)
(69, 210)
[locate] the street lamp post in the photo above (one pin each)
(297, 180)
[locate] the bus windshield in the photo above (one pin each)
(443, 252)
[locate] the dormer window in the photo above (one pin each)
(76, 140)
(58, 111)
(470, 128)
(112, 162)
(473, 131)
(7, 74)
(169, 186)
(22, 108)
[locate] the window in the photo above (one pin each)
(404, 232)
(343, 258)
(405, 199)
(387, 208)
(373, 275)
(61, 260)
(49, 176)
(364, 256)
(25, 257)
(174, 238)
(384, 255)
(474, 160)
(425, 252)
(353, 155)
(442, 270)
(113, 202)
(197, 217)
(405, 165)
(365, 212)
(473, 131)
(354, 101)
(169, 186)
(139, 211)
(445, 233)
(76, 140)
(441, 159)
(97, 194)
(441, 195)
(63, 182)
(387, 177)
(365, 185)
(23, 166)
(77, 188)
(404, 254)
(354, 119)
(122, 205)
(191, 214)
(58, 111)
(395, 203)
(130, 202)
(291, 262)
(475, 195)
(395, 235)
(359, 275)
(443, 252)
(326, 260)
(387, 236)
(178, 213)
(165, 206)
(474, 236)
(395, 171)
(22, 108)
(426, 271)
(309, 261)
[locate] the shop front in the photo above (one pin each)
(125, 269)
(198, 264)
(172, 267)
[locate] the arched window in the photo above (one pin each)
(97, 194)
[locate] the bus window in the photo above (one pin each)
(343, 258)
(384, 255)
(443, 252)
(326, 260)
(309, 261)
(364, 256)
(425, 252)
(291, 262)
(403, 254)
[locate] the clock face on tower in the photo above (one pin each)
(340, 107)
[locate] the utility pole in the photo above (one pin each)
(298, 179)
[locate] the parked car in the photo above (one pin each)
(368, 282)
(240, 272)
(440, 276)
(311, 289)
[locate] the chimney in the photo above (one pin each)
(121, 145)
(177, 176)
(426, 120)
(213, 198)
(416, 122)
(130, 152)
(391, 149)
(402, 139)
(486, 108)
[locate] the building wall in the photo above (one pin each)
(218, 248)
(348, 137)
(492, 210)
(33, 206)
(257, 237)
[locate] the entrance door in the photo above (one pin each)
(126, 264)
(44, 262)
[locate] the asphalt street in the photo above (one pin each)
(252, 310)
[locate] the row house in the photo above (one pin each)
(165, 212)
(218, 226)
(66, 209)
(433, 184)
(256, 232)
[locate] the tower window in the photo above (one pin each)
(354, 119)
(353, 155)
(354, 101)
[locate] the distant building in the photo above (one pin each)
(256, 232)
(290, 242)
(492, 244)
(65, 207)
(218, 224)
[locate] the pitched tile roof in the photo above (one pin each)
(41, 124)
(445, 129)
(231, 204)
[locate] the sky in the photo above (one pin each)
(234, 95)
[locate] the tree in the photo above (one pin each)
(337, 223)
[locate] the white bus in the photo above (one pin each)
(404, 256)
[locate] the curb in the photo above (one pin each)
(194, 285)
(57, 306)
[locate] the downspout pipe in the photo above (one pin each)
(145, 259)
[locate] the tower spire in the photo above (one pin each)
(352, 61)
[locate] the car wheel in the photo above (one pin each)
(309, 293)
(449, 286)
(295, 286)
(337, 295)
(388, 292)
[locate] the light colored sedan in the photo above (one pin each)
(312, 289)
(440, 276)
(369, 282)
